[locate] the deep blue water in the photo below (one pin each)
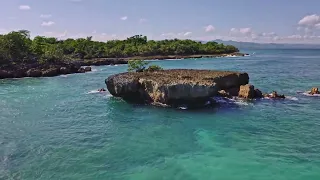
(52, 128)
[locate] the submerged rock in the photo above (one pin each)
(174, 87)
(314, 90)
(274, 95)
(81, 70)
(87, 69)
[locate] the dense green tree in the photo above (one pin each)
(17, 47)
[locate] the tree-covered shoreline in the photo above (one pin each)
(18, 48)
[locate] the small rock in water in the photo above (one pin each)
(81, 70)
(87, 69)
(274, 95)
(314, 90)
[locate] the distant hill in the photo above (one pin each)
(250, 45)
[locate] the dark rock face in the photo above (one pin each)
(37, 70)
(173, 87)
(34, 73)
(50, 72)
(87, 69)
(6, 74)
(258, 93)
(105, 61)
(65, 70)
(81, 70)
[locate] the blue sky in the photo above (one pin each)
(290, 21)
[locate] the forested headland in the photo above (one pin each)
(19, 51)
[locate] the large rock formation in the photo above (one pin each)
(175, 87)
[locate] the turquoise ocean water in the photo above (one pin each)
(58, 128)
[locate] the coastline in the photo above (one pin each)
(77, 66)
(113, 61)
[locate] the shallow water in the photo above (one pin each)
(60, 128)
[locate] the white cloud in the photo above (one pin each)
(176, 35)
(168, 34)
(142, 20)
(310, 20)
(234, 30)
(209, 28)
(296, 36)
(47, 23)
(45, 16)
(56, 34)
(245, 30)
(3, 31)
(97, 36)
(317, 26)
(94, 32)
(241, 31)
(124, 18)
(270, 34)
(24, 7)
(187, 33)
(75, 0)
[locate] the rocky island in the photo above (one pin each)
(176, 87)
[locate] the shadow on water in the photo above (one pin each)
(222, 105)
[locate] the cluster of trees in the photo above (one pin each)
(18, 47)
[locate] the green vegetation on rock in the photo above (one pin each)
(18, 48)
(141, 66)
(137, 65)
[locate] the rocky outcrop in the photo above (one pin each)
(274, 95)
(81, 70)
(103, 61)
(174, 87)
(50, 72)
(34, 73)
(87, 69)
(5, 74)
(65, 70)
(249, 92)
(314, 90)
(41, 70)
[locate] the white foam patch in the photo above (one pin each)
(235, 101)
(183, 108)
(231, 56)
(292, 98)
(97, 91)
(94, 70)
(93, 92)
